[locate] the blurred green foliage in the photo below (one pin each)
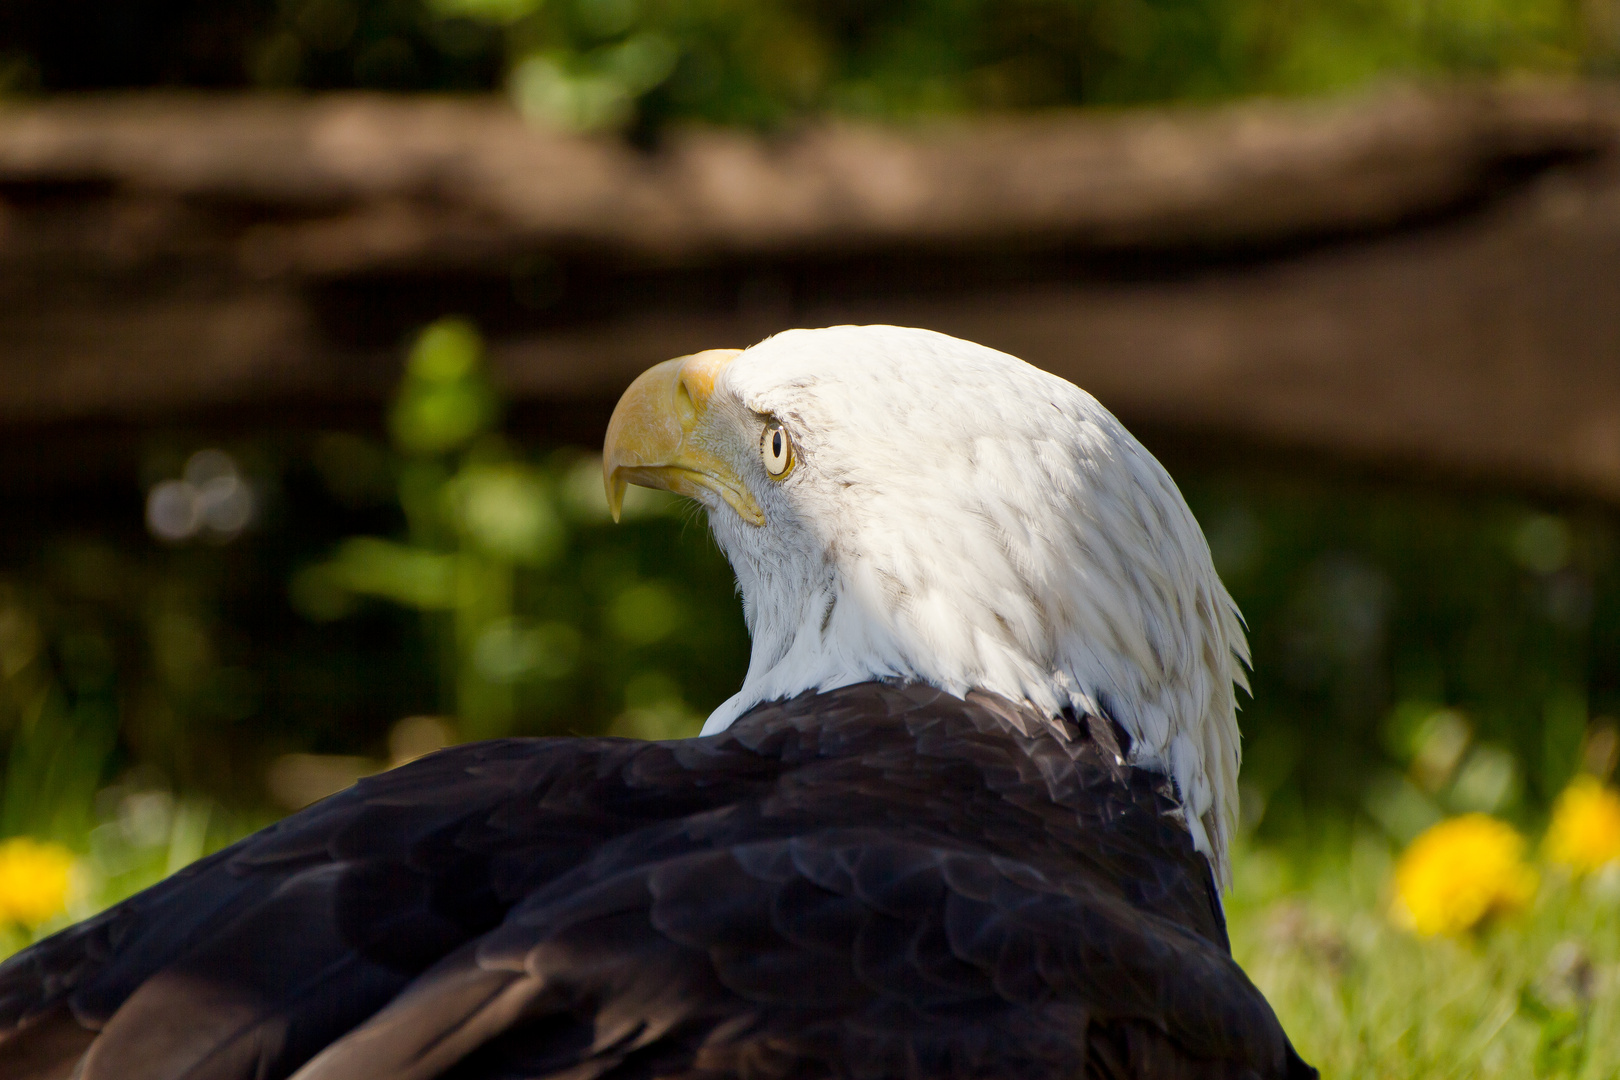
(593, 64)
(542, 618)
(1418, 651)
(442, 571)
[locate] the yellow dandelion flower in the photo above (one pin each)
(1585, 829)
(1459, 873)
(33, 880)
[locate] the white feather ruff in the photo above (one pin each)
(963, 519)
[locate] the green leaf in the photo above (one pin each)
(370, 566)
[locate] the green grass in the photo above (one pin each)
(142, 837)
(1535, 994)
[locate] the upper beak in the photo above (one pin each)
(662, 435)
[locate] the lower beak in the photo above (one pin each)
(663, 435)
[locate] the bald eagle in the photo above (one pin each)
(966, 818)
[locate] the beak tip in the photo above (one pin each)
(615, 485)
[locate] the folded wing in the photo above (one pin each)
(871, 882)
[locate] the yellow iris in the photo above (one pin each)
(1585, 829)
(33, 880)
(1459, 873)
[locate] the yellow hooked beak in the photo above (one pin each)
(663, 435)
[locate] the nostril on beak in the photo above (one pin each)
(685, 405)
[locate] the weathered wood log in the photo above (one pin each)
(350, 183)
(1414, 277)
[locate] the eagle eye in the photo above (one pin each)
(776, 450)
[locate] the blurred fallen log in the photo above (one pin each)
(1416, 277)
(346, 184)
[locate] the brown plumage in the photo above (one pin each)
(873, 882)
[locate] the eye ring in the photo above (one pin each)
(776, 451)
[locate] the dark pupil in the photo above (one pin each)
(776, 444)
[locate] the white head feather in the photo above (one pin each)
(960, 518)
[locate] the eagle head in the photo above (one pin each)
(899, 504)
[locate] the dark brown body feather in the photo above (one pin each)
(874, 882)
